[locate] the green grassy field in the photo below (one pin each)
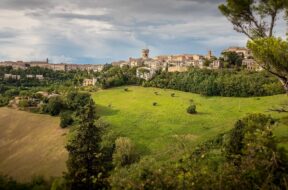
(30, 145)
(158, 129)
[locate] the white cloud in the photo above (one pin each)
(93, 30)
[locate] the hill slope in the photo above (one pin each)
(159, 129)
(31, 144)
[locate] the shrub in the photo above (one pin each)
(192, 109)
(54, 106)
(24, 103)
(126, 89)
(3, 101)
(11, 93)
(154, 104)
(66, 119)
(173, 95)
(125, 153)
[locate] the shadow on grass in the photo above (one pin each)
(142, 149)
(202, 113)
(106, 110)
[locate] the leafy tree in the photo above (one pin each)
(254, 159)
(272, 53)
(86, 166)
(192, 109)
(233, 59)
(254, 18)
(76, 100)
(54, 106)
(66, 119)
(257, 19)
(125, 153)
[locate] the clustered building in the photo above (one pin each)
(55, 67)
(248, 59)
(148, 67)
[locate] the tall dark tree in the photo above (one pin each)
(86, 167)
(257, 20)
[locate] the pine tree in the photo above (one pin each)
(86, 164)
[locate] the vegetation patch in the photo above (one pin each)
(151, 129)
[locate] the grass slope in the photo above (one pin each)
(31, 144)
(157, 129)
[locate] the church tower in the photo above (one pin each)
(145, 53)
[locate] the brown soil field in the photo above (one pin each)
(31, 145)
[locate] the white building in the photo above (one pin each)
(145, 73)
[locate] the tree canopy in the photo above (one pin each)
(257, 20)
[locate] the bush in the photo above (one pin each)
(59, 184)
(125, 153)
(54, 106)
(223, 82)
(3, 101)
(192, 109)
(11, 93)
(154, 104)
(24, 103)
(66, 119)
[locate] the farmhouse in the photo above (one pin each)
(89, 82)
(145, 73)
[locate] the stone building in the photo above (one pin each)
(145, 73)
(251, 65)
(216, 64)
(11, 76)
(246, 53)
(89, 82)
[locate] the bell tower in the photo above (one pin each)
(145, 53)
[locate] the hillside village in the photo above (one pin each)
(147, 67)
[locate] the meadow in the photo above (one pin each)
(159, 129)
(34, 144)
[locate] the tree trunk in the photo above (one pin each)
(285, 84)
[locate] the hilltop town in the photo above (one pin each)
(147, 67)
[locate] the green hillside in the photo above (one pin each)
(158, 129)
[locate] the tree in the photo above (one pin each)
(66, 119)
(86, 166)
(125, 153)
(254, 159)
(272, 53)
(54, 106)
(254, 18)
(257, 19)
(192, 109)
(233, 58)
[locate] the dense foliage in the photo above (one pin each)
(257, 20)
(272, 54)
(245, 158)
(37, 183)
(86, 163)
(219, 83)
(116, 76)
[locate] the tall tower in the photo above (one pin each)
(145, 53)
(209, 56)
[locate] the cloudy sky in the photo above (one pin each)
(100, 31)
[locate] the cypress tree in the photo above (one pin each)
(86, 164)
